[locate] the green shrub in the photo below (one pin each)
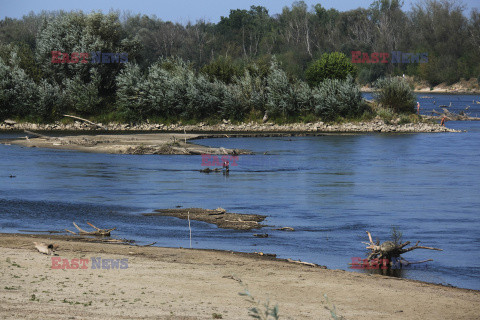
(252, 91)
(333, 65)
(51, 101)
(338, 98)
(284, 98)
(18, 92)
(131, 104)
(404, 119)
(222, 69)
(83, 97)
(395, 93)
(385, 113)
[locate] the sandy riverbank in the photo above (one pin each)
(154, 143)
(169, 283)
(173, 139)
(161, 143)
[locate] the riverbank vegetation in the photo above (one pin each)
(250, 66)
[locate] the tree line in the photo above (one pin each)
(249, 62)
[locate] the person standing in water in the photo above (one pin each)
(226, 166)
(418, 108)
(443, 121)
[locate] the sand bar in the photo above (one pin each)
(173, 283)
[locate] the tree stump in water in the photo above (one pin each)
(390, 249)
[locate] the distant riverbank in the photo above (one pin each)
(471, 86)
(375, 125)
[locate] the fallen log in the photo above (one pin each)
(306, 263)
(85, 120)
(48, 249)
(98, 232)
(37, 135)
(450, 116)
(285, 229)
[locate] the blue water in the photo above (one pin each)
(454, 102)
(331, 189)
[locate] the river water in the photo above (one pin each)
(331, 189)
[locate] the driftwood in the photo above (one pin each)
(285, 229)
(46, 248)
(145, 245)
(41, 231)
(261, 235)
(38, 135)
(390, 249)
(450, 116)
(98, 232)
(85, 120)
(306, 263)
(208, 170)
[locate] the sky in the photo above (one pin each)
(180, 11)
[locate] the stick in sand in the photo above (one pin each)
(189, 228)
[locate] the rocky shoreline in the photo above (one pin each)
(376, 125)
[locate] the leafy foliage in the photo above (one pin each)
(395, 93)
(231, 71)
(17, 91)
(333, 65)
(222, 69)
(338, 98)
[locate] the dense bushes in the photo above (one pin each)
(18, 92)
(333, 65)
(171, 89)
(338, 98)
(395, 93)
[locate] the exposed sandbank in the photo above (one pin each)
(153, 143)
(169, 283)
(219, 217)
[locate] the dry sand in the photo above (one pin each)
(153, 143)
(170, 283)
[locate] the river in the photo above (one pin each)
(331, 189)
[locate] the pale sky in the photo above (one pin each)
(179, 10)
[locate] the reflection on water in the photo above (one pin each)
(331, 189)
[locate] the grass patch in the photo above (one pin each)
(11, 288)
(385, 114)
